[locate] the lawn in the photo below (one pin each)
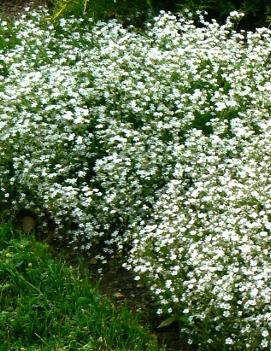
(46, 304)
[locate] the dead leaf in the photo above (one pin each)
(28, 224)
(167, 322)
(93, 260)
(118, 295)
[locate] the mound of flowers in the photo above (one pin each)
(206, 250)
(156, 141)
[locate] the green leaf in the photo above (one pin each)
(83, 300)
(183, 319)
(19, 264)
(167, 322)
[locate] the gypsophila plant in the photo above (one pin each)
(154, 141)
(205, 252)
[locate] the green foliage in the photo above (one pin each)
(257, 12)
(46, 305)
(102, 9)
(157, 141)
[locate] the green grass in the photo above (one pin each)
(47, 305)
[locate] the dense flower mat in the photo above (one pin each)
(156, 141)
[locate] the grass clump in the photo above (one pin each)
(46, 305)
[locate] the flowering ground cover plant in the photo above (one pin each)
(156, 141)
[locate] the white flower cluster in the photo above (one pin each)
(159, 140)
(206, 250)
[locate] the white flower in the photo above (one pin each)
(229, 341)
(158, 142)
(265, 333)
